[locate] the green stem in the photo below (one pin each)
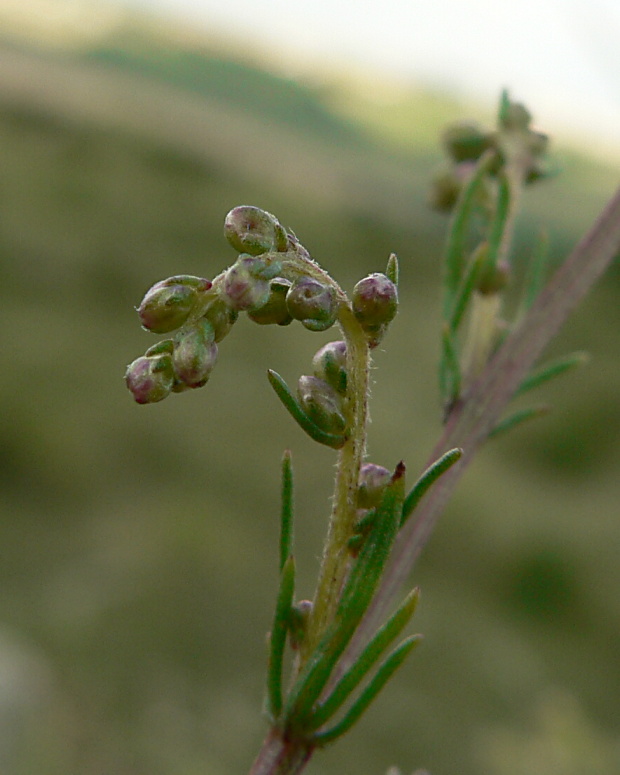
(344, 512)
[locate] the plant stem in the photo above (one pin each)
(342, 521)
(486, 400)
(279, 756)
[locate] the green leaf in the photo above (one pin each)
(286, 512)
(381, 677)
(469, 281)
(552, 370)
(517, 418)
(301, 418)
(392, 270)
(449, 370)
(428, 478)
(383, 638)
(278, 637)
(455, 244)
(356, 596)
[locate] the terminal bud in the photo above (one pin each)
(375, 303)
(252, 230)
(465, 141)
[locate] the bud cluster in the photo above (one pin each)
(202, 312)
(464, 143)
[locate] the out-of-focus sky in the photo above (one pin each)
(562, 57)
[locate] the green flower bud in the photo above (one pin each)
(322, 404)
(195, 353)
(375, 301)
(245, 289)
(221, 316)
(330, 363)
(274, 311)
(514, 115)
(313, 303)
(372, 482)
(167, 305)
(494, 279)
(255, 231)
(465, 141)
(150, 378)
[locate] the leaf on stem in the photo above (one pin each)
(333, 440)
(392, 270)
(535, 274)
(354, 601)
(286, 512)
(552, 370)
(428, 478)
(449, 370)
(383, 638)
(381, 677)
(517, 418)
(278, 637)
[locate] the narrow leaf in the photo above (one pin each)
(286, 512)
(523, 415)
(381, 677)
(301, 418)
(468, 284)
(392, 271)
(449, 371)
(552, 370)
(354, 601)
(384, 637)
(455, 246)
(278, 637)
(498, 226)
(428, 478)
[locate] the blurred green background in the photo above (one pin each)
(138, 545)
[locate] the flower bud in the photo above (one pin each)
(313, 303)
(244, 288)
(274, 311)
(372, 483)
(195, 353)
(221, 316)
(330, 363)
(514, 115)
(255, 231)
(465, 141)
(375, 301)
(321, 403)
(150, 378)
(167, 305)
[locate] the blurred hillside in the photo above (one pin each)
(139, 544)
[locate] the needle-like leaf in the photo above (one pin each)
(278, 637)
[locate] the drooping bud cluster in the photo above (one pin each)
(270, 281)
(375, 303)
(465, 143)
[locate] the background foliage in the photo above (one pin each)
(139, 544)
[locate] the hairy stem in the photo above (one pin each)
(279, 756)
(342, 521)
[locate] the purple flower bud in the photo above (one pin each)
(252, 230)
(313, 303)
(330, 363)
(322, 404)
(150, 378)
(274, 311)
(244, 288)
(167, 305)
(195, 353)
(375, 302)
(372, 483)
